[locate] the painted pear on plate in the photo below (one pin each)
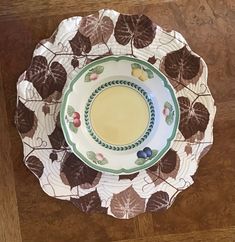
(143, 76)
(140, 74)
(137, 72)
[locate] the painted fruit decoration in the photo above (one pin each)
(143, 74)
(73, 119)
(169, 113)
(93, 74)
(76, 119)
(145, 155)
(97, 158)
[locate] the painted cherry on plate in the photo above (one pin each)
(166, 111)
(76, 115)
(76, 119)
(93, 76)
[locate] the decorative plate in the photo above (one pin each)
(58, 60)
(119, 115)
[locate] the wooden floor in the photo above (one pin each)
(204, 212)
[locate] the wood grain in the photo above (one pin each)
(207, 208)
(143, 225)
(214, 235)
(24, 9)
(9, 222)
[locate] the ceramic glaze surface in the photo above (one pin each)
(119, 115)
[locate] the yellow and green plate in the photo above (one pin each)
(119, 115)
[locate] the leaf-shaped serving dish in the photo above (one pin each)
(120, 115)
(58, 60)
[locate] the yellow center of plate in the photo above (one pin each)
(119, 115)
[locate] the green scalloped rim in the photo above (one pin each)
(143, 93)
(122, 170)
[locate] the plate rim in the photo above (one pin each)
(124, 171)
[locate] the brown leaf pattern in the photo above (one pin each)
(167, 167)
(127, 204)
(158, 201)
(130, 177)
(152, 60)
(80, 44)
(46, 109)
(98, 30)
(198, 136)
(76, 172)
(54, 96)
(138, 29)
(53, 156)
(75, 63)
(88, 185)
(46, 78)
(193, 117)
(188, 149)
(181, 67)
(25, 119)
(89, 203)
(57, 138)
(35, 165)
(168, 162)
(108, 53)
